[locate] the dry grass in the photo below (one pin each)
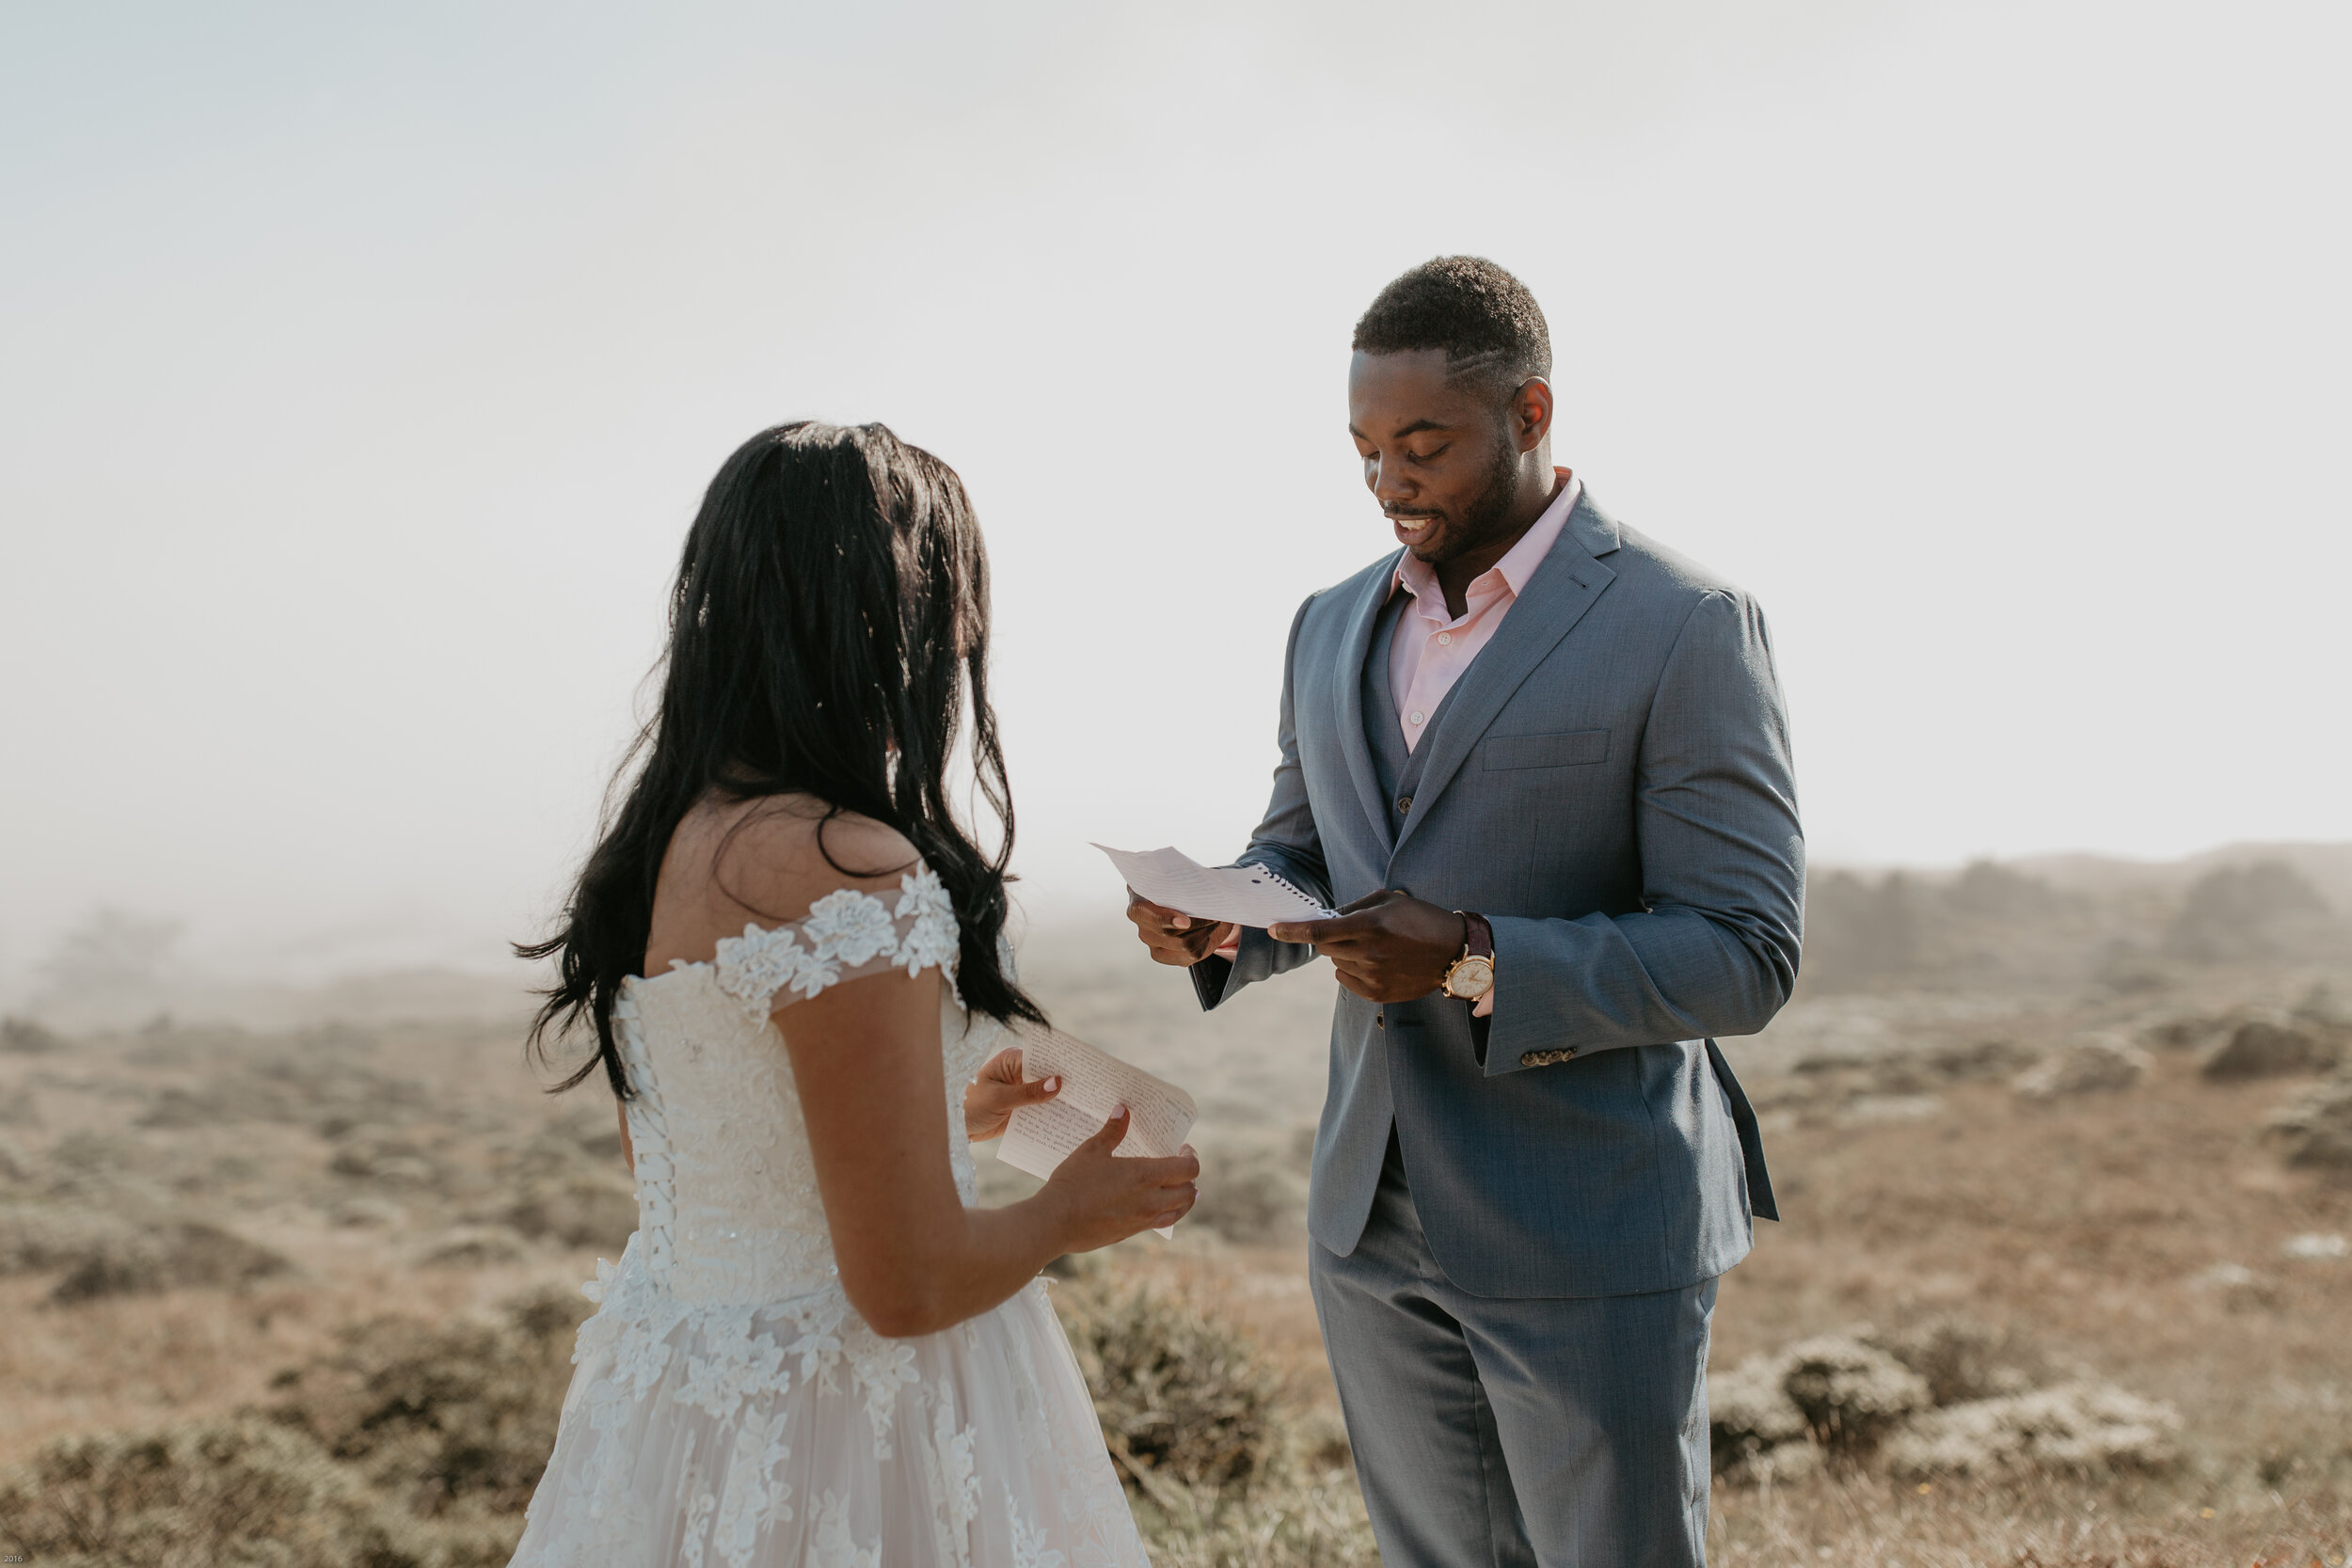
(2089, 1225)
(410, 1446)
(2045, 1524)
(1990, 1241)
(1180, 1392)
(1230, 1461)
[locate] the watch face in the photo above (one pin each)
(1471, 978)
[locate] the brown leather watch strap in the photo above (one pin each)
(1481, 936)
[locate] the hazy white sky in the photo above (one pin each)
(364, 365)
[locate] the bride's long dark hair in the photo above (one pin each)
(831, 606)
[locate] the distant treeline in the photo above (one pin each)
(1994, 924)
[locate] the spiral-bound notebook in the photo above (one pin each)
(1244, 894)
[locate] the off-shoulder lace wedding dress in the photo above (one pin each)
(731, 1408)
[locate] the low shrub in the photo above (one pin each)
(38, 1237)
(2271, 1047)
(163, 1258)
(177, 1108)
(1287, 1522)
(83, 1152)
(474, 1247)
(362, 1210)
(2079, 1429)
(1834, 1390)
(413, 1446)
(324, 1081)
(2186, 1031)
(22, 1036)
(2089, 1064)
(385, 1162)
(1221, 1475)
(1944, 1397)
(439, 1415)
(1253, 1196)
(1755, 1429)
(2314, 1128)
(1180, 1393)
(238, 1493)
(582, 1212)
(1962, 1360)
(1850, 1392)
(1977, 1059)
(569, 1185)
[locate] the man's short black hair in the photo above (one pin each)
(1482, 317)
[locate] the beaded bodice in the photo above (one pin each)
(728, 1210)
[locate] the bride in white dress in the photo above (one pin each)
(816, 1350)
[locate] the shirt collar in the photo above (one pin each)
(1508, 576)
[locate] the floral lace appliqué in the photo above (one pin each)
(1029, 1548)
(955, 1484)
(835, 1547)
(754, 1499)
(843, 933)
(934, 938)
(757, 964)
(852, 927)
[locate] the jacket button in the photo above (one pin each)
(1379, 1020)
(1403, 804)
(1529, 1058)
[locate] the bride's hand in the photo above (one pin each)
(991, 1099)
(1106, 1199)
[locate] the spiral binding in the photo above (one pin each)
(1286, 885)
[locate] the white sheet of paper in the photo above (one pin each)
(1244, 894)
(1093, 1085)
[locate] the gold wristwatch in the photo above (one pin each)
(1472, 974)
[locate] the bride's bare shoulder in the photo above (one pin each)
(763, 863)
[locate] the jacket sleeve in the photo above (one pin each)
(1286, 843)
(1714, 949)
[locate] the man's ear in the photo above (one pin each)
(1530, 412)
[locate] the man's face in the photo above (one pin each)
(1437, 454)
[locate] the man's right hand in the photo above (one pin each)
(1175, 938)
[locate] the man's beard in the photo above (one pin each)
(1489, 513)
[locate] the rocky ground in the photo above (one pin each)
(2064, 1280)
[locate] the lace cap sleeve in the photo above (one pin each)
(846, 935)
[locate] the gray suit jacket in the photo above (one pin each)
(1610, 784)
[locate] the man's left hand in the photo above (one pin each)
(1389, 947)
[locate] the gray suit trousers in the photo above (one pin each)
(1499, 1432)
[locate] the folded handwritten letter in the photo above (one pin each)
(1244, 894)
(1094, 1084)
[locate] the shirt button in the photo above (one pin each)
(1415, 717)
(1444, 638)
(1403, 804)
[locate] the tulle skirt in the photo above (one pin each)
(790, 1433)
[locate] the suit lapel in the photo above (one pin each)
(1564, 586)
(1354, 649)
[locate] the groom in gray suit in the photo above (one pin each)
(1540, 761)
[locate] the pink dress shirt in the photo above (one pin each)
(1432, 647)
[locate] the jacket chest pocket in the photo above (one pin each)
(1568, 749)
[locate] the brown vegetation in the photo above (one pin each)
(2064, 1280)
